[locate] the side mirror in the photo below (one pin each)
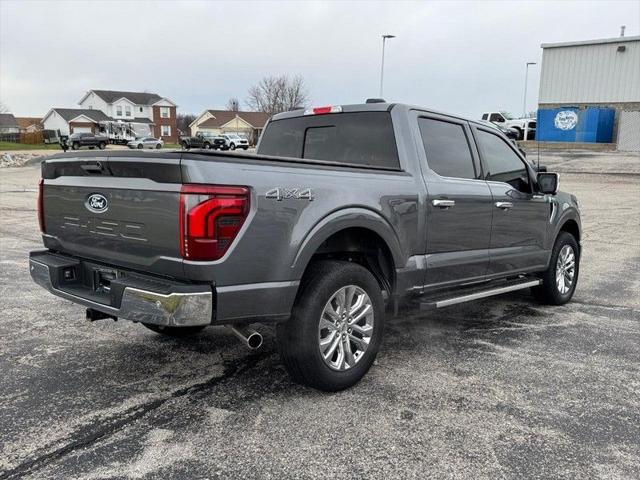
(548, 182)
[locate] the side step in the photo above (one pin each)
(468, 295)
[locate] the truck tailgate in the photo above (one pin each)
(120, 209)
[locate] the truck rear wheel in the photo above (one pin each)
(560, 278)
(335, 330)
(102, 145)
(174, 331)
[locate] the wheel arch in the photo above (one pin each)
(355, 234)
(571, 226)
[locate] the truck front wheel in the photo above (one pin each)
(561, 277)
(335, 330)
(174, 331)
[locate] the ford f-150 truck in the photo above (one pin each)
(342, 212)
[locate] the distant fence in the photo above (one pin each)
(10, 137)
(30, 138)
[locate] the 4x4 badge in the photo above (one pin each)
(290, 193)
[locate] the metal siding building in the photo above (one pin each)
(591, 72)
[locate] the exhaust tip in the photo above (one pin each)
(254, 341)
(248, 336)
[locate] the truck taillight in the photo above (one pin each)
(210, 218)
(41, 205)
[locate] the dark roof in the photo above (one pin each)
(220, 117)
(71, 113)
(8, 120)
(139, 98)
(140, 120)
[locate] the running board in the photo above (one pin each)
(477, 294)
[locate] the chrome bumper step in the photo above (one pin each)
(489, 290)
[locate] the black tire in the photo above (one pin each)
(102, 145)
(75, 146)
(176, 332)
(298, 337)
(245, 148)
(158, 146)
(520, 133)
(549, 292)
(140, 146)
(232, 146)
(185, 146)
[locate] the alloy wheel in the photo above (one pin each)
(345, 328)
(565, 269)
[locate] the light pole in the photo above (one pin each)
(384, 39)
(524, 101)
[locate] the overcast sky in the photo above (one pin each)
(460, 57)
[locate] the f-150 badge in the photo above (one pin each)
(280, 194)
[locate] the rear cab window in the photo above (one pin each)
(352, 138)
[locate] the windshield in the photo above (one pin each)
(508, 116)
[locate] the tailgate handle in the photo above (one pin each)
(92, 168)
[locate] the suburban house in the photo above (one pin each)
(29, 124)
(8, 124)
(118, 115)
(247, 124)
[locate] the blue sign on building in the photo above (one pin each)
(574, 124)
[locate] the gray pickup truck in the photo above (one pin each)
(342, 212)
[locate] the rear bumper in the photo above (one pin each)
(136, 297)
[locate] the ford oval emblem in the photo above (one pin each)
(97, 203)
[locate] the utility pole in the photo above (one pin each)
(524, 100)
(384, 39)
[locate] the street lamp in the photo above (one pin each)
(524, 101)
(384, 39)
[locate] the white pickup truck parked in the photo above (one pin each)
(526, 127)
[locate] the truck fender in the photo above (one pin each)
(343, 219)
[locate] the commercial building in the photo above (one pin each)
(596, 73)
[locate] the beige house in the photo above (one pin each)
(247, 124)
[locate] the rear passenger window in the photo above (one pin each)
(447, 148)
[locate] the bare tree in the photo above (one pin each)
(183, 120)
(276, 94)
(233, 105)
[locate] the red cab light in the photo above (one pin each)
(210, 218)
(41, 205)
(323, 110)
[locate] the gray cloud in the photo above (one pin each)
(461, 57)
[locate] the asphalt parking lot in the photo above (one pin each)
(503, 388)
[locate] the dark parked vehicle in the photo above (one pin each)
(202, 140)
(342, 212)
(79, 140)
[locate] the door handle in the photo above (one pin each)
(443, 203)
(504, 205)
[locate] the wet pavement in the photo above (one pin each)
(502, 388)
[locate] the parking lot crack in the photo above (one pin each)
(91, 434)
